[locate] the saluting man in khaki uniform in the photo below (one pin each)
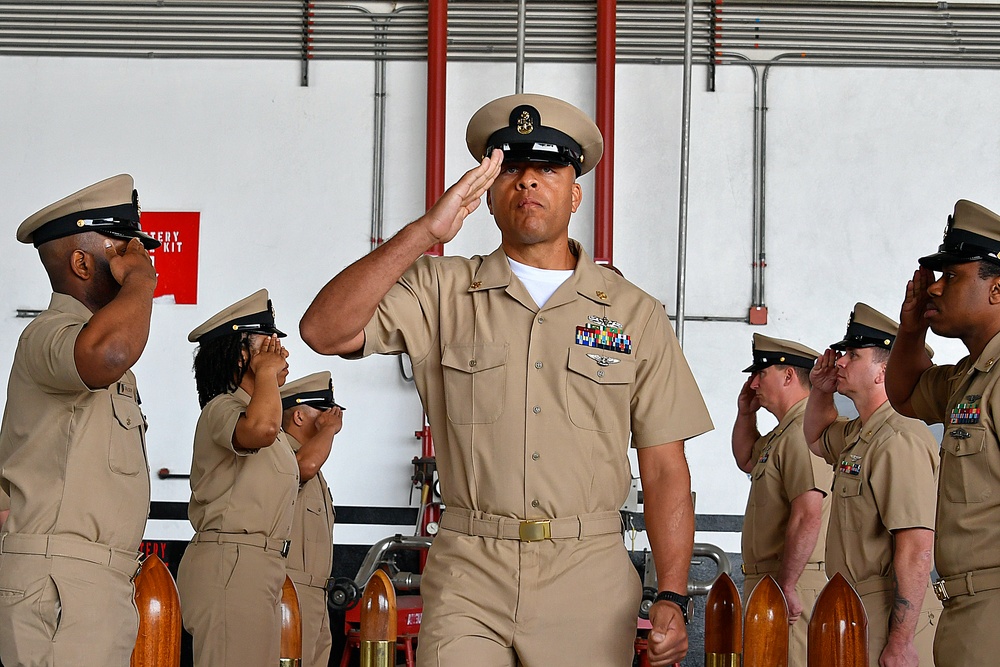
(311, 419)
(535, 366)
(244, 480)
(963, 303)
(787, 512)
(72, 444)
(885, 466)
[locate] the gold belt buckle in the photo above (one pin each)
(533, 531)
(940, 591)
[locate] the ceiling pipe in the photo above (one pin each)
(522, 17)
(604, 173)
(437, 63)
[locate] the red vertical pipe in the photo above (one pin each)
(437, 62)
(604, 196)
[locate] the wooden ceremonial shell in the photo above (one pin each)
(838, 630)
(378, 622)
(723, 624)
(158, 643)
(291, 626)
(765, 628)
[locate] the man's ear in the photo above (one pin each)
(790, 375)
(995, 291)
(489, 201)
(299, 417)
(82, 264)
(576, 197)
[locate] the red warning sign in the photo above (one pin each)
(176, 261)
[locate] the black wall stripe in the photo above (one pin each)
(407, 516)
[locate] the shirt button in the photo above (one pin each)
(541, 320)
(538, 364)
(600, 374)
(536, 409)
(535, 503)
(472, 363)
(535, 456)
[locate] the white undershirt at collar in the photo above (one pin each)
(540, 283)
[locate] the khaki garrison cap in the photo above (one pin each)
(972, 235)
(110, 207)
(870, 328)
(536, 128)
(314, 390)
(769, 351)
(253, 314)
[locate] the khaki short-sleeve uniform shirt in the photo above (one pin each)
(235, 490)
(532, 408)
(311, 551)
(965, 397)
(73, 459)
(885, 479)
(784, 470)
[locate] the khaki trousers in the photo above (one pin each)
(878, 606)
(500, 603)
(967, 635)
(63, 612)
(808, 589)
(230, 603)
(317, 641)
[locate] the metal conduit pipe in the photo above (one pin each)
(682, 217)
(604, 175)
(522, 18)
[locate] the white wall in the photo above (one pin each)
(863, 166)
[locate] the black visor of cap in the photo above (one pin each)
(321, 400)
(763, 359)
(859, 335)
(121, 221)
(961, 246)
(542, 144)
(259, 323)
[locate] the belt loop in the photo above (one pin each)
(968, 583)
(579, 532)
(48, 546)
(470, 518)
(3, 536)
(499, 524)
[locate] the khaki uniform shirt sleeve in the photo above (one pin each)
(930, 396)
(51, 362)
(801, 471)
(223, 414)
(667, 404)
(904, 481)
(406, 318)
(834, 439)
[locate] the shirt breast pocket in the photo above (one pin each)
(126, 453)
(475, 382)
(847, 491)
(598, 391)
(965, 467)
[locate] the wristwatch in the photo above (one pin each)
(685, 602)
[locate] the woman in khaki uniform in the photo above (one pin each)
(244, 479)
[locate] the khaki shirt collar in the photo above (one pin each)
(875, 422)
(588, 279)
(797, 411)
(990, 355)
(292, 441)
(64, 303)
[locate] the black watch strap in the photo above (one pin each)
(683, 601)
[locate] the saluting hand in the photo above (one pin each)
(668, 639)
(268, 360)
(449, 212)
(331, 419)
(824, 373)
(747, 403)
(132, 262)
(911, 314)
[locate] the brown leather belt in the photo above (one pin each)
(969, 583)
(772, 566)
(119, 560)
(875, 585)
(481, 524)
(253, 540)
(305, 579)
